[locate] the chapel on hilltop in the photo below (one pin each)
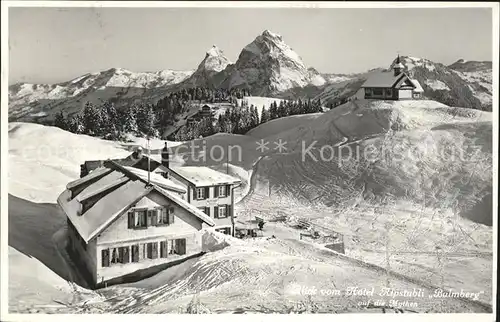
(394, 84)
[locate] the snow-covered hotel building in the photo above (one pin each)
(209, 190)
(125, 223)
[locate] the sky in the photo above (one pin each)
(50, 45)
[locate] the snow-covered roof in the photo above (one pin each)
(383, 79)
(157, 179)
(130, 161)
(118, 188)
(94, 174)
(418, 87)
(204, 176)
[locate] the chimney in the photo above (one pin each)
(138, 153)
(83, 170)
(165, 158)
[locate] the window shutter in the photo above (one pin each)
(195, 194)
(170, 218)
(228, 190)
(131, 219)
(149, 250)
(105, 257)
(216, 212)
(154, 217)
(142, 251)
(207, 211)
(164, 215)
(126, 255)
(207, 192)
(135, 253)
(163, 249)
(182, 247)
(155, 250)
(216, 192)
(228, 210)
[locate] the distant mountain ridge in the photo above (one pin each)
(267, 67)
(28, 101)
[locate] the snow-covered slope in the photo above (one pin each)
(421, 199)
(268, 65)
(43, 159)
(282, 124)
(34, 288)
(412, 168)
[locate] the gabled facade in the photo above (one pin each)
(206, 111)
(119, 224)
(210, 191)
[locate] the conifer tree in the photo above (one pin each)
(264, 116)
(60, 121)
(146, 120)
(92, 120)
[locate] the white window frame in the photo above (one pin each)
(200, 193)
(159, 216)
(222, 191)
(224, 212)
(137, 213)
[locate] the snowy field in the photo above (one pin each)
(365, 201)
(259, 102)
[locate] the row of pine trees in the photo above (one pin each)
(106, 121)
(242, 119)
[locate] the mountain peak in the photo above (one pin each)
(214, 51)
(269, 34)
(269, 65)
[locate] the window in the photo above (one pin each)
(222, 191)
(222, 212)
(177, 246)
(388, 92)
(150, 217)
(163, 216)
(200, 193)
(378, 91)
(114, 255)
(163, 249)
(137, 219)
(152, 250)
(105, 257)
(119, 255)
